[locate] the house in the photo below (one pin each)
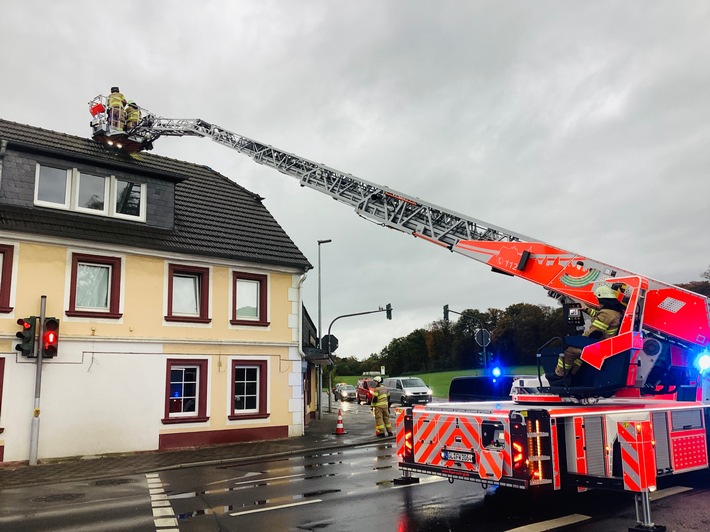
(177, 293)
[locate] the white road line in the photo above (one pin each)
(269, 479)
(280, 507)
(163, 515)
(551, 524)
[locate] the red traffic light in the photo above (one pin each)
(50, 337)
(25, 324)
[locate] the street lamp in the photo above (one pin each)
(320, 366)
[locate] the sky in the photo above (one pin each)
(582, 124)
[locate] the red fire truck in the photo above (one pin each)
(637, 409)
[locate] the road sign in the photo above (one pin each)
(329, 343)
(483, 337)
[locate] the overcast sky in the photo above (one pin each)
(582, 124)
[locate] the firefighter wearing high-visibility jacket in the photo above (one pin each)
(605, 324)
(116, 103)
(381, 406)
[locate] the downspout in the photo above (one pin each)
(3, 147)
(300, 346)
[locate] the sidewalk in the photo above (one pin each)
(319, 435)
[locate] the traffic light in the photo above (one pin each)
(388, 309)
(481, 360)
(27, 335)
(446, 312)
(50, 339)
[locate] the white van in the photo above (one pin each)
(407, 391)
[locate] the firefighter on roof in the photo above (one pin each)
(381, 406)
(605, 324)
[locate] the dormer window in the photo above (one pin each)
(73, 190)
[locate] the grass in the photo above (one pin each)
(439, 381)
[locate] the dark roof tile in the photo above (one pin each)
(214, 216)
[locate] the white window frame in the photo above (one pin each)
(77, 189)
(67, 189)
(73, 185)
(114, 196)
(196, 410)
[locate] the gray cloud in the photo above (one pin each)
(582, 124)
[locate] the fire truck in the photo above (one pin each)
(637, 410)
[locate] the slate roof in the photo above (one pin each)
(214, 216)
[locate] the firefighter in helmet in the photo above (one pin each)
(605, 324)
(133, 115)
(381, 406)
(116, 102)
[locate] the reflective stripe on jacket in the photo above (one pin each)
(379, 396)
(606, 321)
(116, 99)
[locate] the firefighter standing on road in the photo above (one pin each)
(605, 324)
(381, 406)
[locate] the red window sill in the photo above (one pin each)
(174, 420)
(88, 314)
(187, 319)
(4, 310)
(259, 415)
(250, 322)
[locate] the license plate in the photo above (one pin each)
(457, 456)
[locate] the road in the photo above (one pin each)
(348, 490)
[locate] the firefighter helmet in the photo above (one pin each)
(115, 89)
(378, 379)
(605, 292)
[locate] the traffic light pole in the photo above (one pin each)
(387, 309)
(34, 433)
(447, 310)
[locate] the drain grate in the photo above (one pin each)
(112, 482)
(60, 497)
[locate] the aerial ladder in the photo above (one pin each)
(664, 329)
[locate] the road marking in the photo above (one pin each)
(269, 479)
(163, 514)
(279, 507)
(551, 524)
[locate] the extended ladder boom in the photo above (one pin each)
(374, 202)
(669, 310)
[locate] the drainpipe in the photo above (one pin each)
(3, 147)
(300, 342)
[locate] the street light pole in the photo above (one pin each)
(320, 366)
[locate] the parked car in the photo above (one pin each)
(364, 395)
(336, 390)
(408, 391)
(480, 388)
(348, 392)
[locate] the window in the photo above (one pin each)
(95, 286)
(128, 198)
(52, 186)
(188, 294)
(249, 295)
(6, 255)
(186, 391)
(93, 194)
(249, 380)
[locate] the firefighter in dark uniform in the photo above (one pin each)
(381, 406)
(605, 324)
